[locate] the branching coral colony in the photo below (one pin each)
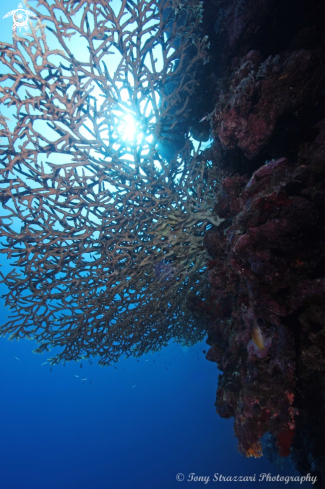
(109, 242)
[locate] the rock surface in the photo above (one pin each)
(267, 266)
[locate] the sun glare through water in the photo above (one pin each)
(128, 127)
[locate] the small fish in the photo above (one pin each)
(147, 360)
(83, 380)
(134, 386)
(44, 363)
(77, 376)
(257, 336)
(17, 359)
(203, 118)
(91, 382)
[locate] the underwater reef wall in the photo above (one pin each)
(266, 311)
(110, 248)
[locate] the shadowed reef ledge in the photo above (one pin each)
(267, 267)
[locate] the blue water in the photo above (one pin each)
(58, 432)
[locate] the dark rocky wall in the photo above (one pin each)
(267, 268)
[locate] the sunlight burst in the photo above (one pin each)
(127, 127)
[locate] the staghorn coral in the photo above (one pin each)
(100, 207)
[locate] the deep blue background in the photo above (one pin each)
(57, 432)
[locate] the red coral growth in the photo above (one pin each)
(215, 353)
(264, 274)
(212, 263)
(269, 159)
(284, 441)
(228, 204)
(247, 115)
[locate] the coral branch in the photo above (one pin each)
(98, 203)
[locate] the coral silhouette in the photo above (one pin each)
(104, 215)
